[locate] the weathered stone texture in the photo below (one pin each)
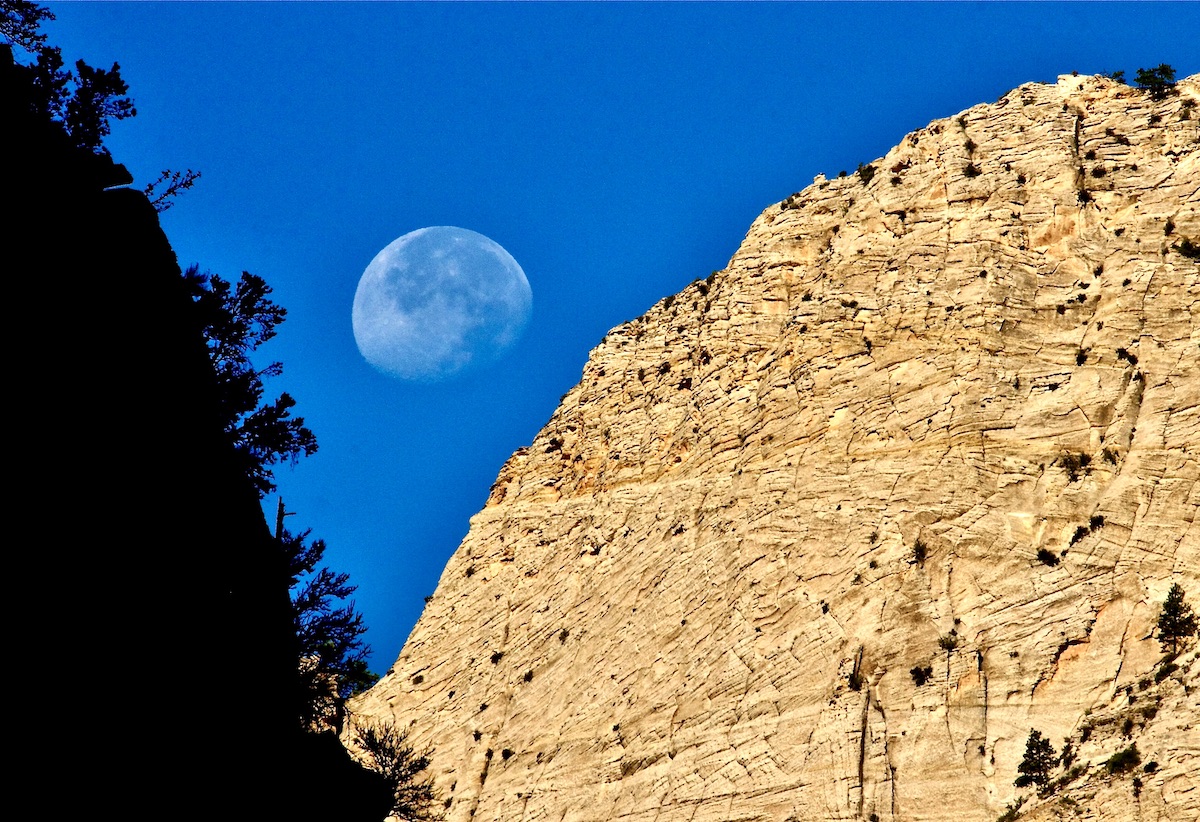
(991, 347)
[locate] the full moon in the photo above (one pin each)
(437, 302)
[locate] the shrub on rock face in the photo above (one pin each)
(1047, 557)
(921, 675)
(1124, 760)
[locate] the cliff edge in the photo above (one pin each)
(937, 420)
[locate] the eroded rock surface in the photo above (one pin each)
(697, 595)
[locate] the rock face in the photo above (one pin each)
(943, 415)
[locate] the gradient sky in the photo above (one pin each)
(617, 151)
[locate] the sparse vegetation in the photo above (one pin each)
(1012, 811)
(1123, 760)
(1176, 621)
(920, 551)
(1158, 81)
(949, 642)
(1047, 557)
(386, 750)
(1075, 464)
(921, 675)
(1037, 763)
(1188, 249)
(1167, 668)
(865, 173)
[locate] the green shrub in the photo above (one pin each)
(1158, 81)
(1123, 760)
(1012, 811)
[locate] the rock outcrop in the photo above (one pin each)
(937, 421)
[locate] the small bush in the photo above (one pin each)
(949, 642)
(1189, 249)
(1123, 354)
(386, 751)
(921, 675)
(972, 170)
(865, 173)
(497, 656)
(1047, 557)
(920, 551)
(1074, 464)
(1012, 811)
(1165, 671)
(1123, 760)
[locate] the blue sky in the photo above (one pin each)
(617, 151)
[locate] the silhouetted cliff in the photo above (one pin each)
(153, 600)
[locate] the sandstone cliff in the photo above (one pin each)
(943, 414)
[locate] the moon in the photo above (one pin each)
(437, 302)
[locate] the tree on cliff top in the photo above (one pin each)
(237, 319)
(82, 102)
(1159, 81)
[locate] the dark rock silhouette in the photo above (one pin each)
(151, 604)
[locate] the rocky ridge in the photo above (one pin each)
(937, 420)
